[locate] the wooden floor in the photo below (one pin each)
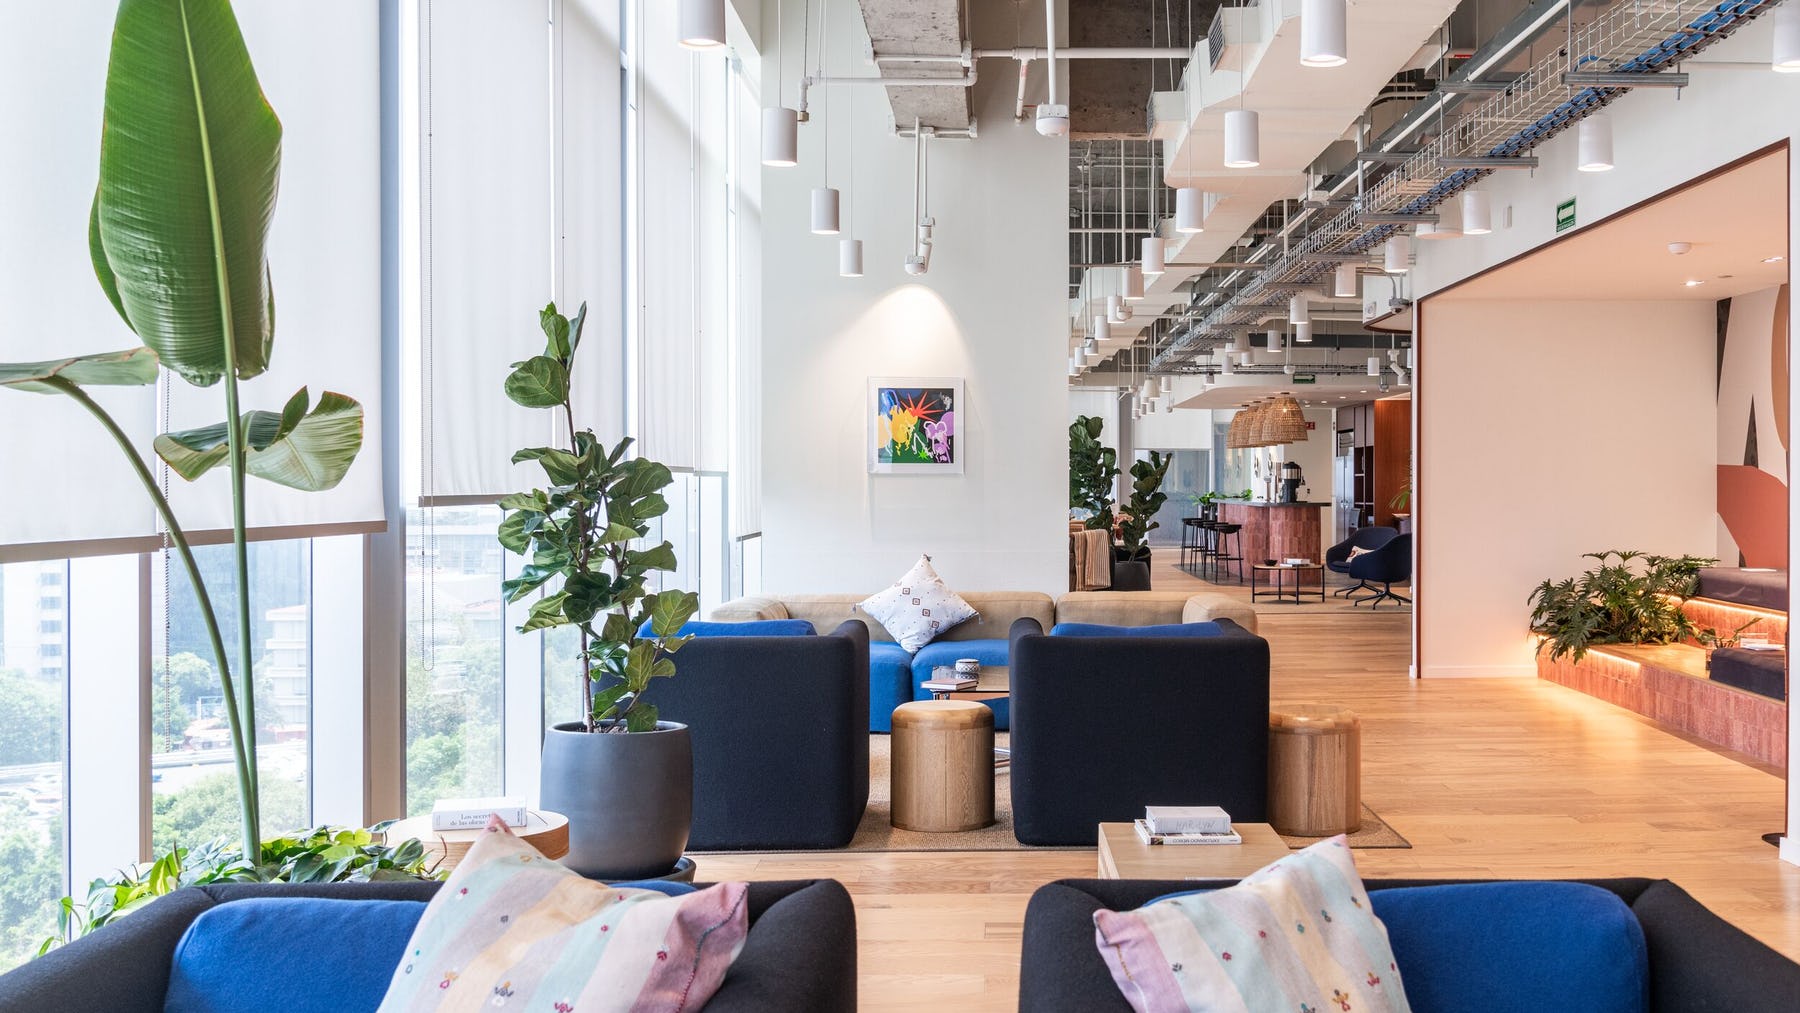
(1486, 777)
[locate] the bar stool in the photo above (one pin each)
(1209, 519)
(1224, 556)
(1191, 535)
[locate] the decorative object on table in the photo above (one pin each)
(624, 779)
(917, 608)
(916, 426)
(1630, 598)
(1132, 570)
(1093, 473)
(1186, 819)
(968, 666)
(1315, 770)
(473, 813)
(1288, 490)
(547, 832)
(179, 234)
(483, 938)
(1201, 838)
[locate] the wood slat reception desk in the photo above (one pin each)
(1278, 531)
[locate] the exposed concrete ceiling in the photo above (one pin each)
(1111, 98)
(921, 28)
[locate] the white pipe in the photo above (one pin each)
(1019, 106)
(1082, 53)
(1050, 44)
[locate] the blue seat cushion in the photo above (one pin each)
(1506, 947)
(991, 654)
(1171, 630)
(890, 682)
(758, 628)
(294, 954)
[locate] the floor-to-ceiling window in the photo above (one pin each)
(34, 620)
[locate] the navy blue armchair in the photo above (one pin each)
(1337, 558)
(780, 727)
(1385, 566)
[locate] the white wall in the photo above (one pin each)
(1550, 430)
(991, 311)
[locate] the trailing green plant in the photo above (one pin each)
(190, 155)
(583, 531)
(1147, 498)
(1093, 472)
(1715, 638)
(1215, 496)
(319, 855)
(1629, 598)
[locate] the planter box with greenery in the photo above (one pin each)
(1629, 598)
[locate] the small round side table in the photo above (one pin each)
(1315, 770)
(943, 766)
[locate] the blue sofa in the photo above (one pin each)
(332, 948)
(1495, 946)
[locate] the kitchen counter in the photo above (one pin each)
(1266, 503)
(1277, 531)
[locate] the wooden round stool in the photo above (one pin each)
(943, 766)
(1315, 770)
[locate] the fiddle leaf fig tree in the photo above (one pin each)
(1147, 498)
(586, 530)
(1093, 468)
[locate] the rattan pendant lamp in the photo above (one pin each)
(1282, 422)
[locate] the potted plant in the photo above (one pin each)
(1093, 470)
(1630, 598)
(624, 779)
(190, 156)
(1131, 571)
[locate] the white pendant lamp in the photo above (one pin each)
(1324, 33)
(1343, 283)
(1226, 368)
(1786, 56)
(702, 23)
(1167, 385)
(1477, 213)
(1242, 148)
(1102, 329)
(1132, 287)
(1374, 365)
(1114, 308)
(1090, 353)
(1303, 334)
(780, 137)
(1593, 143)
(824, 211)
(850, 258)
(1240, 343)
(1190, 211)
(1152, 258)
(1299, 312)
(1397, 259)
(1277, 341)
(1448, 225)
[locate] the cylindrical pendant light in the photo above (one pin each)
(1397, 259)
(1152, 259)
(1298, 310)
(1343, 285)
(780, 137)
(1786, 56)
(1324, 33)
(1190, 210)
(1132, 285)
(1477, 213)
(1114, 308)
(824, 211)
(1240, 343)
(1593, 143)
(1102, 329)
(1303, 334)
(1242, 148)
(702, 23)
(1448, 225)
(1166, 384)
(1374, 365)
(1277, 341)
(850, 258)
(1226, 368)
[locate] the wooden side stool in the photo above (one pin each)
(1315, 770)
(943, 766)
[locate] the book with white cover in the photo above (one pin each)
(473, 813)
(1144, 834)
(949, 685)
(1187, 819)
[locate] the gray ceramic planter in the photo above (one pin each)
(629, 798)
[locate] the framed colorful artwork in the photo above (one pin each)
(916, 425)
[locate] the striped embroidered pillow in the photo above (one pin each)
(1296, 936)
(512, 928)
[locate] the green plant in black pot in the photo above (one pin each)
(1630, 598)
(1093, 468)
(623, 778)
(1147, 498)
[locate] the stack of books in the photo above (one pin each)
(951, 683)
(1176, 824)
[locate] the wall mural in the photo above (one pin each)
(1753, 429)
(915, 426)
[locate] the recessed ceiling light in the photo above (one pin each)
(1776, 259)
(1691, 282)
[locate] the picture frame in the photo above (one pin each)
(916, 425)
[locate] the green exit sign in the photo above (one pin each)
(1565, 215)
(1306, 378)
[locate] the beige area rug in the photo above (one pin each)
(875, 833)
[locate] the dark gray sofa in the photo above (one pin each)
(1103, 726)
(800, 954)
(1698, 961)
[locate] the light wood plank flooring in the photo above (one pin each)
(1486, 777)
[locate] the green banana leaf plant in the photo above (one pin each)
(190, 156)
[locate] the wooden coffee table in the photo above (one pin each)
(1123, 856)
(992, 684)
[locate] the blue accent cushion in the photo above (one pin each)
(991, 653)
(890, 682)
(1172, 630)
(758, 628)
(294, 954)
(1506, 947)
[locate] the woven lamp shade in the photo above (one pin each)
(1281, 422)
(1234, 434)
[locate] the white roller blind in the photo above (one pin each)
(67, 491)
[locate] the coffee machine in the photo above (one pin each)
(1291, 481)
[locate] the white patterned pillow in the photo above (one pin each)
(918, 608)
